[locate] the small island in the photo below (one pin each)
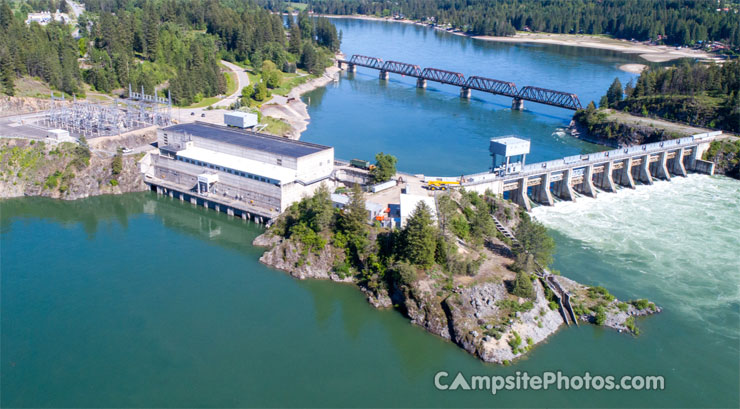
(452, 270)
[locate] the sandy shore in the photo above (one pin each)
(633, 68)
(652, 53)
(292, 109)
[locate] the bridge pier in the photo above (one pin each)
(351, 68)
(605, 179)
(517, 104)
(541, 193)
(676, 164)
(643, 174)
(421, 83)
(564, 188)
(519, 195)
(465, 92)
(624, 177)
(586, 187)
(383, 75)
(660, 167)
(339, 64)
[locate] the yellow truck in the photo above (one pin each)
(441, 183)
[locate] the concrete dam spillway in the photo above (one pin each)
(562, 178)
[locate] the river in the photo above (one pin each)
(145, 301)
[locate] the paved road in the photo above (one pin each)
(242, 80)
(76, 8)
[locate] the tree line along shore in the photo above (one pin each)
(675, 22)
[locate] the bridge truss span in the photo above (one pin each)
(550, 97)
(402, 68)
(443, 76)
(492, 86)
(365, 61)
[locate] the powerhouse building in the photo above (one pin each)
(248, 172)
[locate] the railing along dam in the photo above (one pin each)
(562, 178)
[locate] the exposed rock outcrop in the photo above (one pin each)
(32, 168)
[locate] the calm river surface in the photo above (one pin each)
(142, 301)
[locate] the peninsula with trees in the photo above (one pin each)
(449, 270)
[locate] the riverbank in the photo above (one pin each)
(291, 108)
(650, 53)
(476, 295)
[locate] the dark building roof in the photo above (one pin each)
(249, 139)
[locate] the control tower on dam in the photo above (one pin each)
(583, 174)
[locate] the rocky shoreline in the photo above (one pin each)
(469, 316)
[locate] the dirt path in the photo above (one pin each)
(626, 118)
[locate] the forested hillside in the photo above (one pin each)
(700, 95)
(176, 44)
(681, 22)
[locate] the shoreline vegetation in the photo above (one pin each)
(668, 104)
(650, 53)
(458, 278)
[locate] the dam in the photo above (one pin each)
(562, 178)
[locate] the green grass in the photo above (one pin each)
(276, 126)
(289, 82)
(204, 102)
(291, 6)
(231, 82)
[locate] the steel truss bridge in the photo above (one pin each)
(492, 86)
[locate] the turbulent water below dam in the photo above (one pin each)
(145, 301)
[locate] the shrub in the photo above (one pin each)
(515, 341)
(600, 318)
(630, 324)
(641, 304)
(599, 291)
(117, 165)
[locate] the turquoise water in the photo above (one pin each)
(434, 131)
(145, 301)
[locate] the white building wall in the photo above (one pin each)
(315, 166)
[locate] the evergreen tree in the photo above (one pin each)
(7, 74)
(419, 237)
(523, 286)
(151, 34)
(309, 59)
(319, 211)
(614, 93)
(353, 224)
(534, 240)
(305, 25)
(354, 220)
(294, 46)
